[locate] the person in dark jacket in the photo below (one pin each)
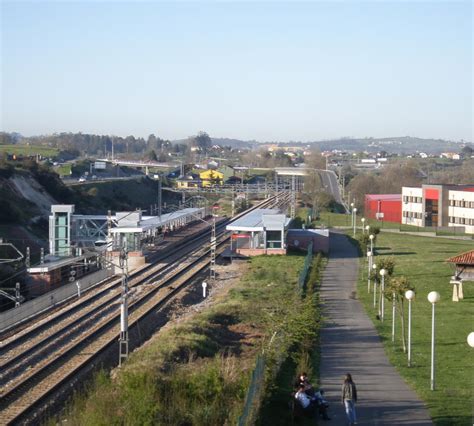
(349, 398)
(316, 397)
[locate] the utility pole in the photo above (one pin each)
(159, 197)
(293, 197)
(233, 202)
(276, 186)
(123, 340)
(212, 268)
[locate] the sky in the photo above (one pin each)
(266, 71)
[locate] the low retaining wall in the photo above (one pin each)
(35, 306)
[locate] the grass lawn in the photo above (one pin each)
(29, 150)
(330, 220)
(422, 261)
(63, 169)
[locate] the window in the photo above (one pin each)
(451, 203)
(451, 219)
(405, 199)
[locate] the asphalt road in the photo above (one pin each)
(329, 180)
(350, 343)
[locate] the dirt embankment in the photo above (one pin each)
(28, 188)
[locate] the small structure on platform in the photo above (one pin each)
(464, 271)
(262, 231)
(57, 271)
(134, 231)
(301, 239)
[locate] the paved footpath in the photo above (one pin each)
(350, 343)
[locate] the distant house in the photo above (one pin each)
(211, 178)
(189, 181)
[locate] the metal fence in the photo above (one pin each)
(306, 266)
(35, 306)
(254, 391)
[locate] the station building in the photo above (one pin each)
(262, 231)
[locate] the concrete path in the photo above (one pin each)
(350, 343)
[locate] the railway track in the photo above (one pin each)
(40, 361)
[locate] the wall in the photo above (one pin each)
(52, 298)
(391, 209)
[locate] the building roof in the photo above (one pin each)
(260, 219)
(391, 197)
(466, 258)
(151, 222)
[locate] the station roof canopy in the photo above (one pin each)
(150, 222)
(260, 220)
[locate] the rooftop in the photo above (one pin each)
(466, 258)
(394, 197)
(260, 219)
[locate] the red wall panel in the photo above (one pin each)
(431, 194)
(391, 209)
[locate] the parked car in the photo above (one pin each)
(82, 179)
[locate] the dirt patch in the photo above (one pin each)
(34, 192)
(225, 329)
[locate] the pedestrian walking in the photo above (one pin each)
(349, 398)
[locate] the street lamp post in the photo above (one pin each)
(369, 268)
(352, 215)
(354, 212)
(367, 228)
(382, 291)
(374, 267)
(433, 298)
(362, 226)
(410, 295)
(393, 317)
(371, 238)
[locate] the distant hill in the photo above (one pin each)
(395, 145)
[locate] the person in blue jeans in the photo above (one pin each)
(349, 398)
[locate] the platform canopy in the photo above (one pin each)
(260, 220)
